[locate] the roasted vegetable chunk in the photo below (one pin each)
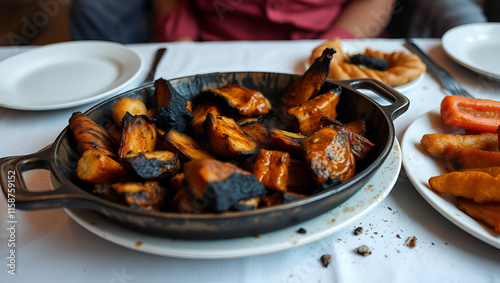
(286, 141)
(360, 145)
(185, 147)
(299, 178)
(153, 165)
(226, 138)
(308, 84)
(98, 168)
(147, 196)
(220, 185)
(271, 169)
(258, 131)
(305, 118)
(172, 107)
(329, 156)
(139, 135)
(89, 135)
(200, 114)
(184, 202)
(247, 204)
(130, 105)
(242, 100)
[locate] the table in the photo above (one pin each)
(51, 246)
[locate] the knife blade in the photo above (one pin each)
(152, 69)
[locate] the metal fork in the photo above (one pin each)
(447, 81)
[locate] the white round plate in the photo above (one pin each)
(475, 46)
(66, 74)
(420, 166)
(324, 225)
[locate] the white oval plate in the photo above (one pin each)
(374, 192)
(475, 46)
(420, 166)
(66, 74)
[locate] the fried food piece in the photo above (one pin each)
(258, 132)
(440, 143)
(154, 164)
(360, 145)
(199, 115)
(147, 196)
(305, 118)
(308, 84)
(130, 105)
(286, 141)
(488, 212)
(98, 168)
(184, 146)
(458, 159)
(220, 185)
(89, 135)
(172, 107)
(476, 185)
(226, 138)
(329, 156)
(242, 100)
(139, 135)
(271, 169)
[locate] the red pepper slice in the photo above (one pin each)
(482, 115)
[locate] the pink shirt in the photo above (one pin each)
(252, 20)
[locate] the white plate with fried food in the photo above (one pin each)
(421, 165)
(66, 74)
(475, 46)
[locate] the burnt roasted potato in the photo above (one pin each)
(329, 156)
(308, 84)
(220, 185)
(172, 107)
(89, 135)
(99, 168)
(305, 118)
(153, 165)
(185, 147)
(200, 114)
(139, 135)
(124, 105)
(241, 100)
(258, 132)
(147, 196)
(286, 141)
(271, 169)
(226, 138)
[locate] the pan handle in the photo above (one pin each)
(400, 103)
(18, 195)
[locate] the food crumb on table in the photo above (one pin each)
(411, 242)
(363, 250)
(358, 231)
(326, 259)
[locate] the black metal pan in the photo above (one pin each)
(68, 191)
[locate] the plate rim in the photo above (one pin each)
(91, 44)
(442, 205)
(452, 34)
(263, 244)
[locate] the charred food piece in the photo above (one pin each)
(258, 131)
(299, 178)
(286, 141)
(329, 156)
(185, 147)
(153, 165)
(220, 185)
(242, 100)
(247, 204)
(308, 84)
(184, 202)
(98, 168)
(358, 126)
(369, 62)
(305, 118)
(147, 196)
(360, 145)
(227, 140)
(89, 135)
(172, 107)
(200, 114)
(271, 169)
(139, 135)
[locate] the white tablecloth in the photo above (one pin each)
(51, 246)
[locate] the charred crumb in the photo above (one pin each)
(363, 250)
(411, 242)
(358, 231)
(397, 236)
(301, 231)
(326, 259)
